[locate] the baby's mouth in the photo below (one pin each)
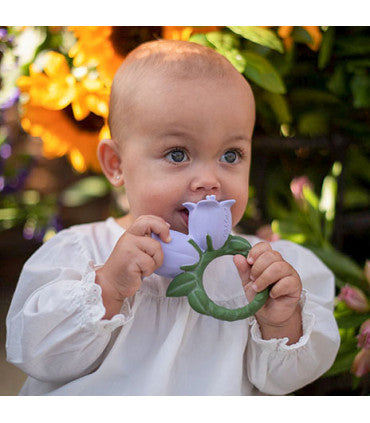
(184, 213)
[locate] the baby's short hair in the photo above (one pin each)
(170, 58)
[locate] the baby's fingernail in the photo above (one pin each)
(168, 239)
(250, 260)
(168, 224)
(254, 287)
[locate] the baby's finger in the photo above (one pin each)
(243, 267)
(263, 262)
(257, 250)
(143, 265)
(272, 274)
(153, 249)
(148, 224)
(288, 286)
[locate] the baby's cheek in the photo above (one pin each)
(237, 212)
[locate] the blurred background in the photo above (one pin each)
(310, 172)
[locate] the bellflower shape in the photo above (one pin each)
(207, 217)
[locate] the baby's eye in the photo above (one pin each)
(177, 156)
(230, 156)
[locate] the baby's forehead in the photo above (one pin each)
(166, 60)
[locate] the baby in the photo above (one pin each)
(90, 316)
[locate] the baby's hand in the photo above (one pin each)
(264, 267)
(134, 256)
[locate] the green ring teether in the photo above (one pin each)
(190, 282)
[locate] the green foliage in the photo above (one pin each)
(309, 221)
(85, 190)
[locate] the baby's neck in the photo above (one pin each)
(125, 221)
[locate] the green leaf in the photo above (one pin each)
(222, 41)
(310, 196)
(304, 96)
(181, 285)
(279, 105)
(287, 226)
(238, 244)
(337, 83)
(328, 197)
(228, 46)
(352, 321)
(198, 301)
(326, 47)
(342, 265)
(85, 190)
(355, 65)
(313, 124)
(353, 45)
(200, 39)
(343, 363)
(263, 36)
(259, 70)
(300, 35)
(237, 59)
(360, 87)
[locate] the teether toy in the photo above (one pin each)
(187, 256)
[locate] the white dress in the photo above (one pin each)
(158, 345)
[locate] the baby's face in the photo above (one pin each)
(188, 139)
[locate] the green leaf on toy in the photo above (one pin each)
(199, 301)
(238, 245)
(181, 285)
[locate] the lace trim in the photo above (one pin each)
(86, 297)
(280, 344)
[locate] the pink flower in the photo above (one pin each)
(364, 335)
(296, 186)
(361, 363)
(354, 298)
(367, 270)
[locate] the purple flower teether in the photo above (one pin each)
(207, 217)
(187, 256)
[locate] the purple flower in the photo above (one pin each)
(178, 252)
(3, 33)
(210, 217)
(10, 99)
(207, 217)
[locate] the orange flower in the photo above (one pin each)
(315, 35)
(69, 115)
(106, 46)
(184, 32)
(285, 32)
(63, 135)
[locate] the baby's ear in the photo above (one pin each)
(110, 161)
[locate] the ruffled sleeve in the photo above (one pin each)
(55, 326)
(277, 368)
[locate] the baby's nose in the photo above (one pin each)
(206, 181)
